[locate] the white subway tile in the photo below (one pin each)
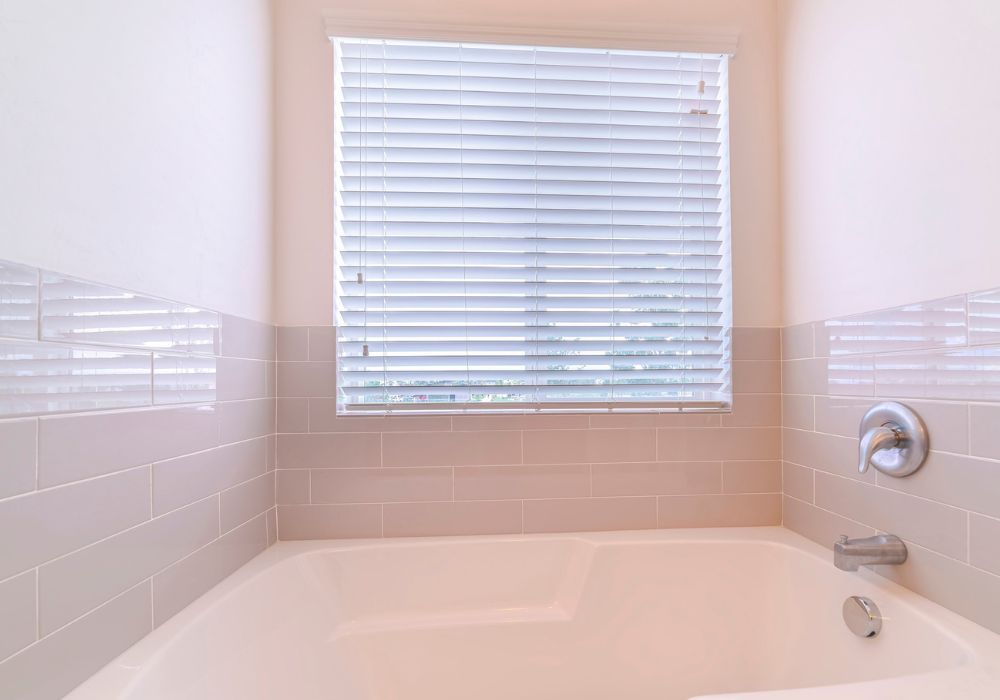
(78, 311)
(18, 301)
(38, 378)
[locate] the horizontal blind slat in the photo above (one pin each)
(529, 227)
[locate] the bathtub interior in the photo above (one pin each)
(546, 618)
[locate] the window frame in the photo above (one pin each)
(678, 40)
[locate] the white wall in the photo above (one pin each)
(890, 152)
(304, 139)
(135, 145)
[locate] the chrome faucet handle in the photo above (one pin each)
(884, 437)
(893, 439)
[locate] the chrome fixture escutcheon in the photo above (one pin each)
(893, 440)
(862, 616)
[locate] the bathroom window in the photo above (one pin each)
(530, 228)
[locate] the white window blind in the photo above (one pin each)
(530, 228)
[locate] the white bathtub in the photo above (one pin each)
(741, 613)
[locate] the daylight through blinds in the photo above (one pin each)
(529, 228)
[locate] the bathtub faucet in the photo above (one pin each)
(849, 554)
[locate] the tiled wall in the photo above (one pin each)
(473, 474)
(942, 358)
(136, 468)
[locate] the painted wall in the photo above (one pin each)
(135, 145)
(304, 138)
(889, 174)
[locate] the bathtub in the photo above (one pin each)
(665, 615)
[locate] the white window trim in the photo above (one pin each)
(620, 36)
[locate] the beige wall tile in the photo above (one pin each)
(522, 481)
(177, 482)
(17, 610)
(307, 379)
(271, 379)
(667, 419)
(984, 430)
(292, 486)
(544, 421)
(819, 525)
(932, 525)
(17, 456)
(177, 586)
(241, 337)
(797, 481)
(381, 485)
(323, 343)
(729, 510)
(451, 518)
(239, 379)
(271, 523)
(320, 522)
(947, 423)
(797, 411)
(620, 445)
(84, 445)
(329, 450)
(984, 543)
(292, 415)
(821, 339)
(61, 661)
(46, 524)
(829, 453)
(594, 445)
(455, 449)
(750, 410)
(590, 514)
(797, 342)
(556, 446)
(70, 586)
(840, 415)
(292, 343)
(804, 376)
(706, 444)
(965, 482)
(654, 478)
(246, 501)
(756, 376)
(751, 477)
(243, 420)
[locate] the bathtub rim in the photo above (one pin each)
(123, 671)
